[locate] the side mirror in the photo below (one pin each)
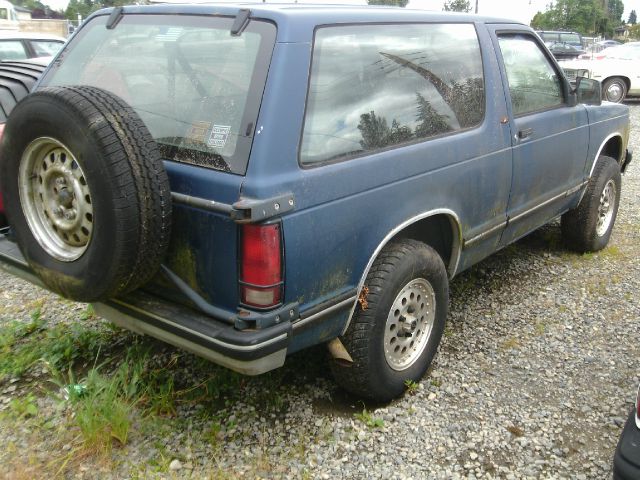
(588, 91)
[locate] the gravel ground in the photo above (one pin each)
(535, 376)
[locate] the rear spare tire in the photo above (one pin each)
(85, 192)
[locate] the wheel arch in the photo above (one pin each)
(440, 229)
(626, 80)
(611, 146)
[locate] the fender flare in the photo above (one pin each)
(456, 248)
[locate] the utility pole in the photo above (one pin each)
(476, 6)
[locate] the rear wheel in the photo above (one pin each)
(395, 333)
(86, 192)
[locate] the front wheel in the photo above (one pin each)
(614, 89)
(397, 327)
(587, 228)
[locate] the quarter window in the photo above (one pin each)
(12, 50)
(374, 87)
(46, 48)
(533, 82)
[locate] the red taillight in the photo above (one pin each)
(261, 265)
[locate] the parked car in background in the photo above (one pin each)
(626, 461)
(8, 16)
(618, 71)
(565, 51)
(23, 45)
(563, 45)
(16, 81)
(596, 50)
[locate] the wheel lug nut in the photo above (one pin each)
(60, 181)
(70, 214)
(57, 212)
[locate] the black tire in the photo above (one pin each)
(584, 229)
(614, 89)
(117, 164)
(398, 265)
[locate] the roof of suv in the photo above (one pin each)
(295, 21)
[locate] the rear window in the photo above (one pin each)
(374, 87)
(196, 87)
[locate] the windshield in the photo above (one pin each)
(196, 87)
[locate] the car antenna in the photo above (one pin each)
(241, 22)
(114, 18)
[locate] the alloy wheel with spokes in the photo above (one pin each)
(409, 324)
(393, 337)
(605, 208)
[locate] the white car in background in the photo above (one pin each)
(618, 71)
(15, 46)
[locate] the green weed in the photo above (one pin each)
(412, 387)
(103, 403)
(24, 344)
(23, 407)
(368, 419)
(511, 343)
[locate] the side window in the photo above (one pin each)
(533, 82)
(12, 50)
(376, 86)
(46, 48)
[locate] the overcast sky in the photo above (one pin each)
(521, 10)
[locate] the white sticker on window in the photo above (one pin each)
(219, 135)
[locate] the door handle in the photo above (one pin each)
(525, 133)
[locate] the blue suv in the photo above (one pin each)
(246, 182)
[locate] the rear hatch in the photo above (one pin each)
(197, 86)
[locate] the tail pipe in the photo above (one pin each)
(339, 352)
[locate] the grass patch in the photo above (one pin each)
(368, 419)
(510, 343)
(102, 404)
(23, 344)
(412, 387)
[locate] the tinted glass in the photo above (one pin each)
(533, 82)
(376, 86)
(571, 38)
(12, 50)
(46, 48)
(196, 87)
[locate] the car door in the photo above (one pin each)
(549, 135)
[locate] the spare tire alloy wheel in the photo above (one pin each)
(55, 199)
(86, 192)
(394, 335)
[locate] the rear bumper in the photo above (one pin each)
(626, 461)
(250, 351)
